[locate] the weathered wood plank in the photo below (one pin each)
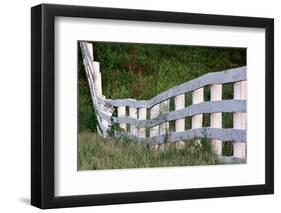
(121, 111)
(133, 114)
(197, 97)
(230, 160)
(142, 113)
(216, 118)
(97, 78)
(204, 107)
(179, 105)
(180, 123)
(154, 114)
(227, 76)
(239, 119)
(207, 132)
(164, 108)
(197, 119)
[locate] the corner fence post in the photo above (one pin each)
(90, 50)
(98, 88)
(97, 78)
(180, 123)
(216, 118)
(97, 83)
(239, 119)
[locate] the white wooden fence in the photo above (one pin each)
(156, 128)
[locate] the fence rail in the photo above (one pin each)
(227, 76)
(204, 107)
(156, 127)
(211, 133)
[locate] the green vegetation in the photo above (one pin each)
(96, 152)
(142, 71)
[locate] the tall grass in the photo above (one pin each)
(96, 152)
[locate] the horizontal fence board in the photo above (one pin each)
(227, 76)
(204, 107)
(230, 160)
(207, 132)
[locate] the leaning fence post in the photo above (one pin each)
(142, 116)
(216, 118)
(96, 75)
(92, 69)
(180, 123)
(97, 78)
(197, 97)
(90, 50)
(239, 119)
(154, 113)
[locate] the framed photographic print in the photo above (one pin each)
(139, 106)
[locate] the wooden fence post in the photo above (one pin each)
(239, 119)
(216, 118)
(90, 50)
(180, 123)
(121, 111)
(133, 114)
(108, 111)
(154, 113)
(164, 108)
(97, 78)
(197, 120)
(95, 75)
(164, 127)
(142, 116)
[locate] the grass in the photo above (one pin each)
(142, 71)
(96, 152)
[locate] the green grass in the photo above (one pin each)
(142, 71)
(96, 152)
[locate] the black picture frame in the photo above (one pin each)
(43, 102)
